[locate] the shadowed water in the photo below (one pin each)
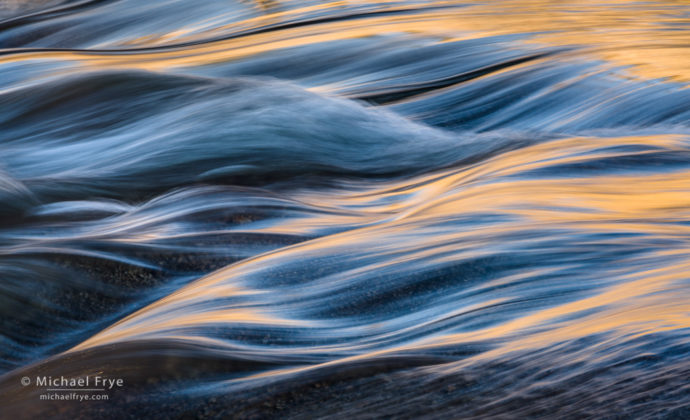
(300, 209)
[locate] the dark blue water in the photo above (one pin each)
(301, 209)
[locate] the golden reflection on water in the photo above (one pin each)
(157, 320)
(650, 39)
(636, 303)
(657, 301)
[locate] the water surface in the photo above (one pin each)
(301, 209)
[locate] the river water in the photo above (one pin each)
(306, 209)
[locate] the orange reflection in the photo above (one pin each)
(649, 37)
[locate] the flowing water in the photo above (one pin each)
(347, 209)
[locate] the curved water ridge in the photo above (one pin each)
(370, 209)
